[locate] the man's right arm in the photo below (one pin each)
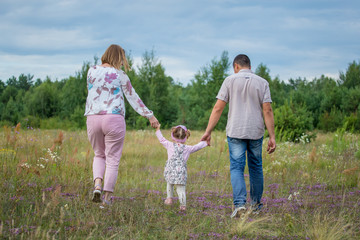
(213, 120)
(269, 123)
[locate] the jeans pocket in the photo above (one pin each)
(232, 140)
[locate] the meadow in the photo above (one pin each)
(311, 191)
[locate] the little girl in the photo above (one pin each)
(175, 172)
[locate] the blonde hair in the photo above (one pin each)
(115, 56)
(180, 133)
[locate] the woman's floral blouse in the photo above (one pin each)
(106, 89)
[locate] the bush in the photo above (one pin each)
(350, 123)
(6, 123)
(293, 124)
(55, 123)
(30, 121)
(141, 122)
(329, 122)
(78, 119)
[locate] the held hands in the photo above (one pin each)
(206, 137)
(271, 145)
(154, 122)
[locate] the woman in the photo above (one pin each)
(105, 110)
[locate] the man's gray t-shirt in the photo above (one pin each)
(245, 92)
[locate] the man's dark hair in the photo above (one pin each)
(242, 60)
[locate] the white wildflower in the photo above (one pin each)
(27, 165)
(40, 165)
(53, 155)
(290, 197)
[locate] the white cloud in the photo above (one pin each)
(56, 66)
(301, 38)
(46, 39)
(177, 68)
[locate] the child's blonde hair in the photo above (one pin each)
(180, 133)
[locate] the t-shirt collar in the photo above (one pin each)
(246, 70)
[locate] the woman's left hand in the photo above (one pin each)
(153, 121)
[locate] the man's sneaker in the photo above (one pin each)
(255, 209)
(238, 210)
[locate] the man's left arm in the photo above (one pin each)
(269, 123)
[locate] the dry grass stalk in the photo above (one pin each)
(350, 171)
(60, 138)
(312, 156)
(246, 226)
(328, 227)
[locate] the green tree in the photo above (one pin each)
(351, 78)
(12, 82)
(44, 101)
(2, 87)
(351, 100)
(10, 91)
(154, 85)
(263, 71)
(74, 92)
(132, 116)
(11, 112)
(331, 121)
(201, 93)
(25, 81)
(37, 82)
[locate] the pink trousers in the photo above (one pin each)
(106, 134)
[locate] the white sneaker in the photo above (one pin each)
(238, 209)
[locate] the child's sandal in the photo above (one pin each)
(97, 194)
(168, 201)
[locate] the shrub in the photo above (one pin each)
(30, 121)
(329, 122)
(6, 123)
(293, 123)
(141, 122)
(55, 123)
(350, 123)
(78, 119)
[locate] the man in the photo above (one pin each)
(249, 101)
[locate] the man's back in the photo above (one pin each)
(245, 92)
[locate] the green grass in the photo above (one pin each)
(311, 191)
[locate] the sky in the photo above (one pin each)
(306, 38)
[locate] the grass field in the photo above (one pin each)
(312, 191)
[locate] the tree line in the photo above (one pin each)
(300, 105)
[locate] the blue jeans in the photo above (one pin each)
(237, 149)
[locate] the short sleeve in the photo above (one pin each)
(267, 95)
(223, 93)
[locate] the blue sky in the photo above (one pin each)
(293, 38)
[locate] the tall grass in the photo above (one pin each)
(312, 191)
